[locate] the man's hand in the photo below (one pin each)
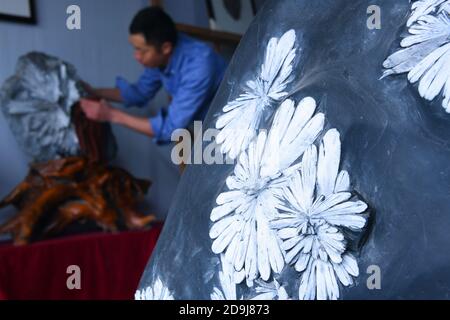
(88, 88)
(97, 111)
(102, 111)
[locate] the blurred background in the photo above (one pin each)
(100, 51)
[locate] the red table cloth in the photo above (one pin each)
(110, 266)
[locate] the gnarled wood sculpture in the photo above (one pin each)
(72, 189)
(96, 140)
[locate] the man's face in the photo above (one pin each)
(149, 55)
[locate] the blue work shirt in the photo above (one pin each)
(191, 77)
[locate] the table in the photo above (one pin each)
(110, 266)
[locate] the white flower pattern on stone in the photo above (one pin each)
(270, 291)
(158, 291)
(424, 7)
(242, 116)
(425, 53)
(227, 290)
(241, 226)
(319, 205)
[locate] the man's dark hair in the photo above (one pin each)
(155, 25)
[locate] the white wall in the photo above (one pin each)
(100, 52)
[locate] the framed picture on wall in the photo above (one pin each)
(232, 16)
(18, 11)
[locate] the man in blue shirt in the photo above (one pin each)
(188, 69)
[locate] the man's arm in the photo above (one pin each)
(102, 111)
(110, 94)
(130, 94)
(139, 124)
(140, 93)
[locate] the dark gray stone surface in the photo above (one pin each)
(395, 145)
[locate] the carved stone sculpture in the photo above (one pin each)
(38, 103)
